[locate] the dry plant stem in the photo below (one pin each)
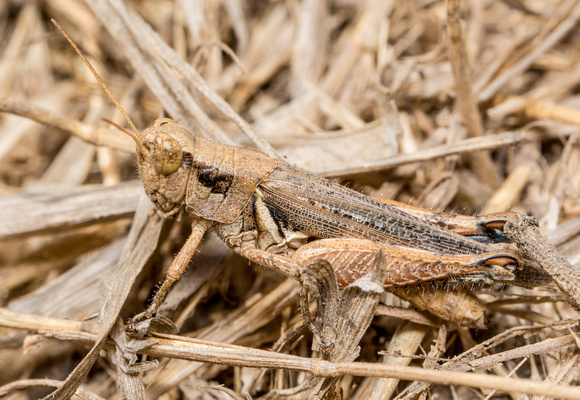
(58, 207)
(405, 341)
(230, 328)
(111, 139)
(481, 162)
(539, 109)
(72, 165)
(437, 351)
(17, 320)
(532, 103)
(519, 352)
(308, 51)
(69, 331)
(565, 373)
(562, 29)
(528, 315)
(524, 300)
(407, 314)
(515, 43)
(135, 40)
(230, 392)
(75, 291)
(31, 383)
(465, 146)
(509, 191)
(219, 353)
(547, 345)
(566, 231)
(140, 245)
(471, 360)
(524, 232)
(128, 379)
(96, 136)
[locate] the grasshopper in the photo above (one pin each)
(283, 217)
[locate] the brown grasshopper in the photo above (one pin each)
(283, 217)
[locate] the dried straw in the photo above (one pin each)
(459, 105)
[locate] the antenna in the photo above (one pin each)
(134, 134)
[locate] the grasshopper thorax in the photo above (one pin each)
(224, 179)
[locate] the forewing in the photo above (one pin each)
(325, 209)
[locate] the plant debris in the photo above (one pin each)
(464, 106)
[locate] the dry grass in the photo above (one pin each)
(364, 91)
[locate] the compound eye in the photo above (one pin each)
(166, 154)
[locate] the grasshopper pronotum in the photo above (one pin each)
(283, 217)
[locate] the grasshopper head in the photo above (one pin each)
(164, 157)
